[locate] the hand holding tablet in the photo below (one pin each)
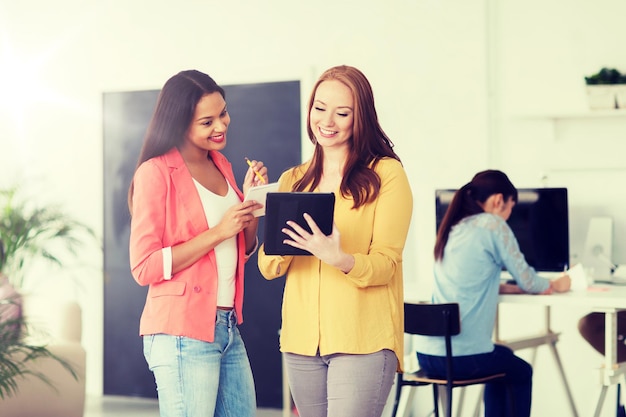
(285, 206)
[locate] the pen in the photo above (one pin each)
(259, 176)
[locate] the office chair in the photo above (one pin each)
(435, 320)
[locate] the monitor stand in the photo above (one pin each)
(598, 249)
(618, 277)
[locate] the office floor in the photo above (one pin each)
(113, 406)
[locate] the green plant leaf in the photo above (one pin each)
(16, 355)
(30, 233)
(606, 76)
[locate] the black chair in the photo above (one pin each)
(435, 320)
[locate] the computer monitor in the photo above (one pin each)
(539, 221)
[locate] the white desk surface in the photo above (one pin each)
(598, 297)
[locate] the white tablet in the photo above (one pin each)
(259, 194)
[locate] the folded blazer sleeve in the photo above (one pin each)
(148, 223)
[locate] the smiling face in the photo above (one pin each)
(332, 114)
(207, 130)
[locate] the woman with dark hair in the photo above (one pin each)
(190, 237)
(342, 318)
(474, 243)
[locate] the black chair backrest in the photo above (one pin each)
(432, 319)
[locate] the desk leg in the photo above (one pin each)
(557, 359)
(610, 342)
(460, 401)
(479, 402)
(610, 356)
(600, 401)
(548, 338)
(406, 402)
(559, 364)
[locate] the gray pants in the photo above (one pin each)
(341, 385)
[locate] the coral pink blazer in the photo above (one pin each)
(167, 211)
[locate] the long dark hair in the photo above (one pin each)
(369, 143)
(468, 199)
(173, 114)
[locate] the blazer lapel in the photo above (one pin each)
(184, 190)
(226, 169)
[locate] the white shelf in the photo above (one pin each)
(589, 114)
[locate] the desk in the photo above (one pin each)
(607, 299)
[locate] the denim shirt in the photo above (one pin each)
(478, 248)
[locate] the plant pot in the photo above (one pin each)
(620, 96)
(602, 96)
(10, 309)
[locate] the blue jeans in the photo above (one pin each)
(200, 379)
(341, 385)
(516, 386)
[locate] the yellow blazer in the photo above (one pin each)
(361, 311)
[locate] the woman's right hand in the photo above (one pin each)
(561, 284)
(237, 218)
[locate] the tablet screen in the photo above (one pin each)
(281, 207)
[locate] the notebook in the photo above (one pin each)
(283, 206)
(259, 194)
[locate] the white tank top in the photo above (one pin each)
(226, 252)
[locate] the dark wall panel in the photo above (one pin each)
(265, 125)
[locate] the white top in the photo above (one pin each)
(226, 252)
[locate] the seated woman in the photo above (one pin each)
(474, 243)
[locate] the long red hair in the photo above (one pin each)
(368, 144)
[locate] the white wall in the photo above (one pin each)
(452, 80)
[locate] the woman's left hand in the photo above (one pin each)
(326, 248)
(251, 179)
(510, 289)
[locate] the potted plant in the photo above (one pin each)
(28, 233)
(606, 89)
(33, 233)
(16, 353)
